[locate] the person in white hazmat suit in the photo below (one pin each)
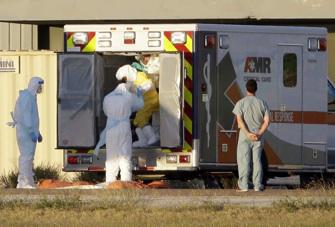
(26, 121)
(118, 106)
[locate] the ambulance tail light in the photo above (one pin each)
(317, 44)
(322, 45)
(80, 38)
(73, 160)
(184, 159)
(178, 37)
(129, 37)
(86, 159)
(79, 159)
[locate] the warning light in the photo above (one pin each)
(209, 41)
(322, 44)
(178, 37)
(129, 38)
(80, 38)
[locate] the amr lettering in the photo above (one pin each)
(257, 65)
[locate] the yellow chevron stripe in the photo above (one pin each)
(188, 43)
(188, 123)
(69, 42)
(188, 96)
(189, 70)
(187, 147)
(90, 47)
(166, 150)
(168, 46)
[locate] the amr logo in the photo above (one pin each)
(257, 65)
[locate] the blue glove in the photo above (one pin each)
(139, 92)
(33, 137)
(40, 138)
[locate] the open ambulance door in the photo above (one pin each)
(77, 100)
(170, 100)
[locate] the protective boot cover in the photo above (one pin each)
(142, 139)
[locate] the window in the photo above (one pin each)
(290, 70)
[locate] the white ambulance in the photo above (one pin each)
(203, 71)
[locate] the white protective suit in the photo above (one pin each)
(26, 121)
(118, 106)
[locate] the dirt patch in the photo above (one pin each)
(137, 185)
(126, 185)
(159, 184)
(50, 184)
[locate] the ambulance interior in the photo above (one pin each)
(165, 74)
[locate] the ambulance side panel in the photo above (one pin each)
(206, 77)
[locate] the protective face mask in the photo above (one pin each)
(39, 89)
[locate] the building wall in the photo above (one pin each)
(15, 36)
(27, 64)
(56, 39)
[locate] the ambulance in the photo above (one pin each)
(202, 74)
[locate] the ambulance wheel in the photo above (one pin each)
(229, 182)
(211, 181)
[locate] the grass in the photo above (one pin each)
(73, 212)
(293, 205)
(9, 180)
(45, 171)
(126, 208)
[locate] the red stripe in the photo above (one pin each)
(167, 35)
(90, 36)
(189, 57)
(181, 47)
(188, 110)
(68, 35)
(188, 83)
